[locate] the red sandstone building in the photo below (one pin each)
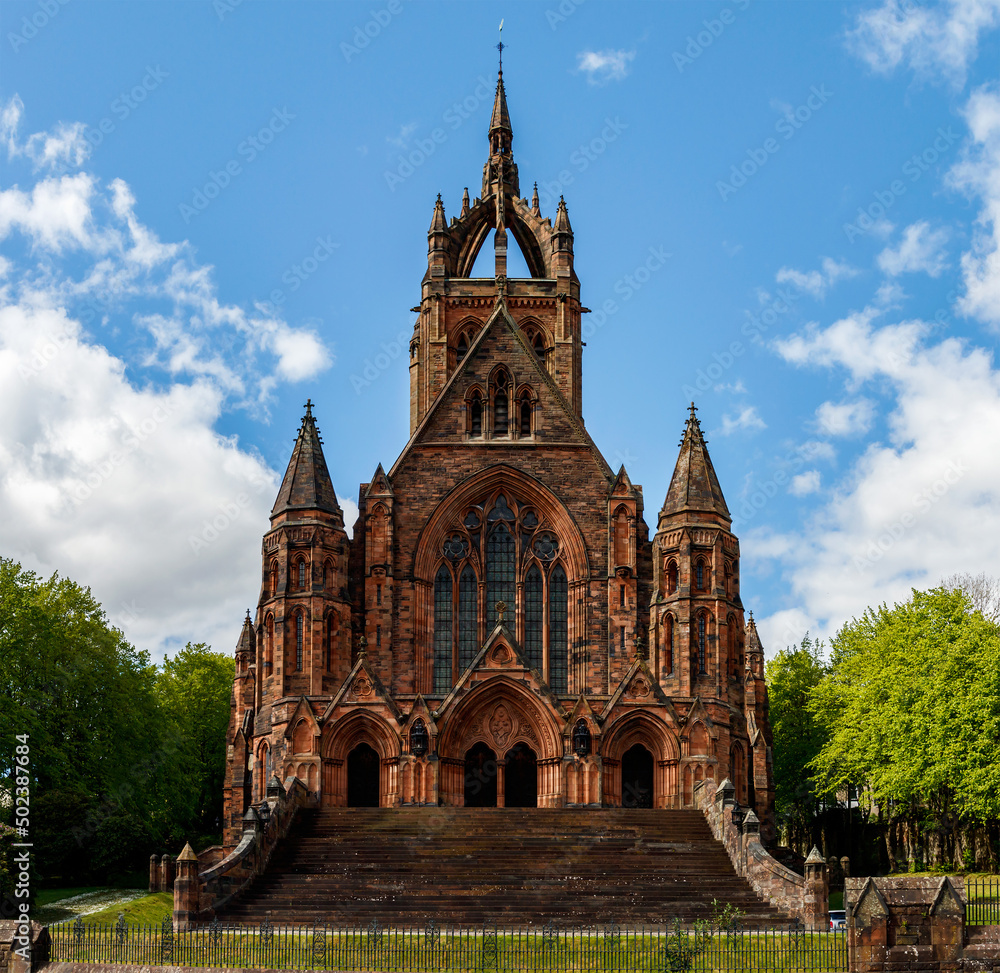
(500, 630)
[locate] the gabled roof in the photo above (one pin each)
(307, 484)
(694, 485)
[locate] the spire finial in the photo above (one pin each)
(309, 408)
(500, 46)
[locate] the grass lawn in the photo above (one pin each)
(149, 909)
(45, 896)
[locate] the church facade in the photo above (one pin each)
(500, 630)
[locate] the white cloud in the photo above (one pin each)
(816, 282)
(978, 174)
(67, 146)
(920, 250)
(804, 483)
(784, 629)
(402, 138)
(922, 504)
(746, 419)
(113, 472)
(845, 418)
(604, 66)
(934, 40)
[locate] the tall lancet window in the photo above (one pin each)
(500, 557)
(501, 406)
(468, 617)
(534, 617)
(299, 638)
(442, 631)
(558, 635)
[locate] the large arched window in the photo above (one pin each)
(701, 640)
(699, 574)
(558, 632)
(476, 415)
(268, 644)
(468, 617)
(524, 414)
(300, 569)
(534, 618)
(299, 640)
(538, 346)
(501, 405)
(671, 576)
(668, 644)
(332, 627)
(462, 349)
(274, 578)
(442, 631)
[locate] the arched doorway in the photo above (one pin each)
(480, 777)
(362, 777)
(520, 785)
(637, 777)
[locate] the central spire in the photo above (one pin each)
(500, 171)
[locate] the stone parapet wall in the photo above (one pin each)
(905, 923)
(23, 946)
(802, 897)
(197, 894)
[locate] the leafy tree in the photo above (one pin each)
(911, 709)
(193, 690)
(792, 676)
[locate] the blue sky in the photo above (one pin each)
(211, 211)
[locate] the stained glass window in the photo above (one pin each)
(558, 641)
(534, 607)
(468, 616)
(500, 558)
(442, 631)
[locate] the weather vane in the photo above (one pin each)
(500, 45)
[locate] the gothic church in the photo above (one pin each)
(500, 630)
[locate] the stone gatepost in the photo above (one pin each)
(186, 903)
(817, 894)
(154, 874)
(166, 874)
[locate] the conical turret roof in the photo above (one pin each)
(307, 484)
(501, 116)
(694, 485)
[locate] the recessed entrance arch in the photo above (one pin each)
(480, 777)
(637, 777)
(362, 777)
(521, 777)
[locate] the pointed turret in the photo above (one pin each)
(501, 134)
(245, 647)
(536, 210)
(465, 204)
(307, 485)
(694, 486)
(562, 237)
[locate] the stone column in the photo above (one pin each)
(166, 874)
(186, 903)
(817, 894)
(154, 874)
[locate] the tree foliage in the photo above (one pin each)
(122, 757)
(911, 708)
(792, 676)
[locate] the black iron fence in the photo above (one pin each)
(982, 906)
(489, 948)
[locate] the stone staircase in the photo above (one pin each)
(464, 866)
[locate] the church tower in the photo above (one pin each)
(499, 630)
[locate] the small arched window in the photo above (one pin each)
(269, 643)
(476, 416)
(332, 624)
(699, 575)
(671, 577)
(500, 413)
(668, 644)
(274, 578)
(525, 414)
(302, 572)
(702, 638)
(462, 349)
(328, 575)
(538, 346)
(299, 638)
